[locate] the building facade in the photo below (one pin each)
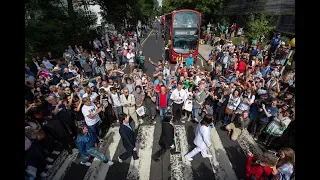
(282, 11)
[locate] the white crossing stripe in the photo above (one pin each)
(220, 163)
(56, 165)
(98, 169)
(180, 167)
(66, 165)
(140, 169)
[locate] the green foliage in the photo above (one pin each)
(237, 40)
(258, 26)
(285, 39)
(206, 7)
(49, 27)
(130, 11)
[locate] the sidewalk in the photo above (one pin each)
(205, 50)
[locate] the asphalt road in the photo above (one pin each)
(229, 157)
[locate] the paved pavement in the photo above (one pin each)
(204, 50)
(228, 161)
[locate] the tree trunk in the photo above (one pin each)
(70, 8)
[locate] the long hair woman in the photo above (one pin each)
(285, 165)
(202, 139)
(233, 103)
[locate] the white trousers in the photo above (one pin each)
(195, 151)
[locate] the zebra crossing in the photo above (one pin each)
(218, 167)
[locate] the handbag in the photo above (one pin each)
(41, 134)
(228, 111)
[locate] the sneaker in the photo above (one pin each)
(55, 152)
(86, 163)
(43, 174)
(48, 166)
(189, 159)
(183, 122)
(50, 160)
(110, 163)
(120, 160)
(207, 156)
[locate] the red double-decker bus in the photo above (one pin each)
(182, 34)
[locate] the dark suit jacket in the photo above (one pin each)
(128, 137)
(167, 135)
(34, 68)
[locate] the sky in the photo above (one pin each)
(160, 2)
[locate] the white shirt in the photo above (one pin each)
(202, 139)
(86, 110)
(130, 57)
(102, 54)
(244, 106)
(93, 96)
(182, 95)
(233, 102)
(47, 64)
(115, 100)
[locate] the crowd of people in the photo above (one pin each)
(71, 102)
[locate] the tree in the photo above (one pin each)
(50, 28)
(258, 26)
(206, 7)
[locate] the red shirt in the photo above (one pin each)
(242, 66)
(182, 71)
(163, 100)
(256, 170)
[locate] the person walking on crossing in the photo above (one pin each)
(128, 103)
(86, 142)
(128, 137)
(202, 139)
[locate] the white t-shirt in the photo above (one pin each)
(244, 106)
(86, 110)
(130, 56)
(93, 96)
(115, 99)
(181, 95)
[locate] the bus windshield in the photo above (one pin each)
(185, 19)
(184, 44)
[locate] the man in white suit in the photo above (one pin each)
(202, 139)
(128, 103)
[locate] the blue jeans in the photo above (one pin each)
(163, 111)
(195, 114)
(94, 129)
(95, 153)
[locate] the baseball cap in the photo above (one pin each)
(90, 84)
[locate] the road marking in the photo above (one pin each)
(220, 163)
(181, 168)
(140, 169)
(247, 143)
(98, 169)
(66, 165)
(56, 165)
(147, 37)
